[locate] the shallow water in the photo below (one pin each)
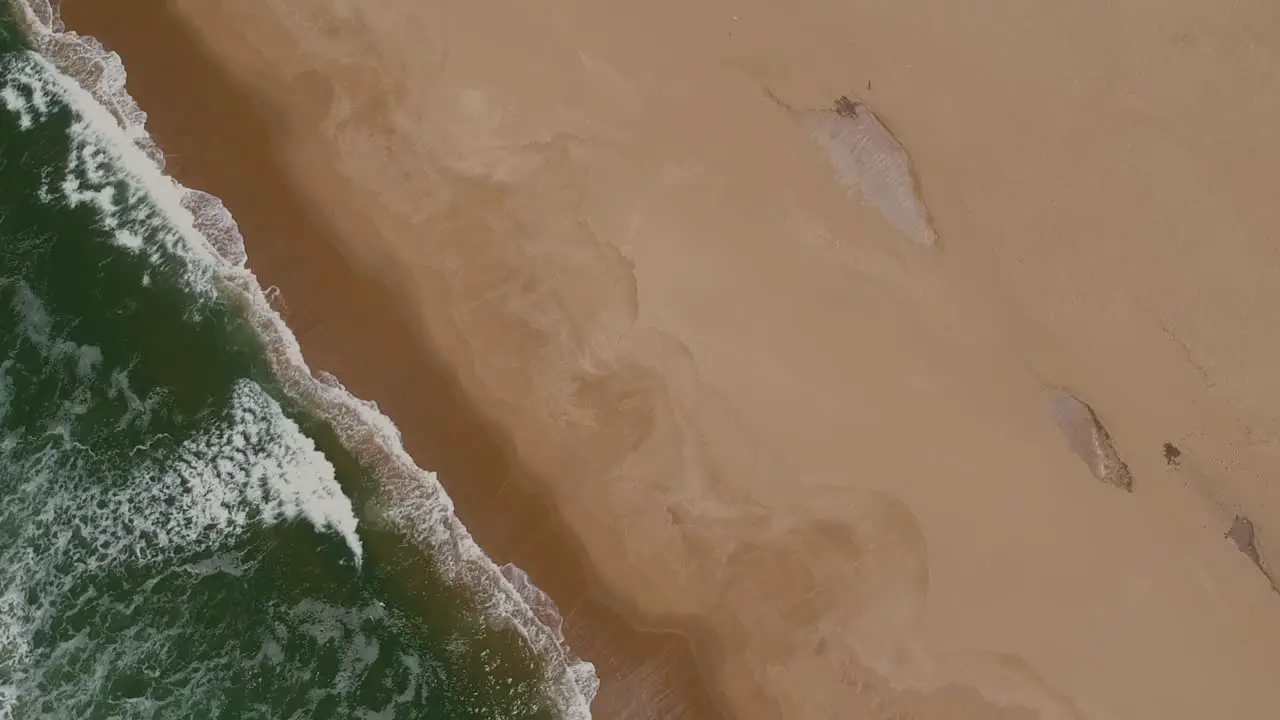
(181, 535)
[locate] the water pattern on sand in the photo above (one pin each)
(869, 160)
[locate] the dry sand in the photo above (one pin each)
(764, 416)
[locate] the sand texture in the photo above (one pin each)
(692, 359)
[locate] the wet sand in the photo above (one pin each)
(619, 298)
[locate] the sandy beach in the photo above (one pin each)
(775, 451)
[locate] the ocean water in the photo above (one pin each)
(191, 524)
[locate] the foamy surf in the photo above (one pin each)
(204, 233)
(73, 517)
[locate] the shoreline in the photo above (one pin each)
(747, 401)
(300, 260)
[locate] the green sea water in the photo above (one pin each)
(184, 532)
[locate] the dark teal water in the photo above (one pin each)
(179, 536)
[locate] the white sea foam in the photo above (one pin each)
(542, 604)
(70, 516)
(260, 462)
(132, 206)
(6, 388)
(254, 463)
(17, 105)
(25, 98)
(205, 234)
(36, 327)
